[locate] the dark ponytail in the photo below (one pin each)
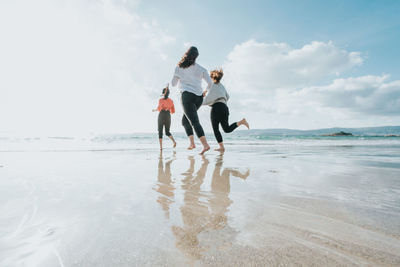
(189, 58)
(165, 92)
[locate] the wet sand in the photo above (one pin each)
(253, 206)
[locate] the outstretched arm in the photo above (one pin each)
(209, 97)
(207, 78)
(175, 78)
(158, 107)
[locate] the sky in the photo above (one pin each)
(98, 66)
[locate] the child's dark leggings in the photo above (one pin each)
(191, 103)
(219, 115)
(164, 120)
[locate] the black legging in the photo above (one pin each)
(164, 119)
(219, 115)
(191, 103)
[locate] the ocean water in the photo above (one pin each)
(150, 141)
(116, 200)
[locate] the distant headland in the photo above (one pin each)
(383, 131)
(341, 133)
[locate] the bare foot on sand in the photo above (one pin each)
(205, 149)
(222, 150)
(191, 147)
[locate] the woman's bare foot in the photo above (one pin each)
(221, 147)
(244, 122)
(160, 140)
(173, 141)
(191, 141)
(205, 149)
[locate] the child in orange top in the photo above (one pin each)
(166, 108)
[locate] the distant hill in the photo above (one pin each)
(368, 131)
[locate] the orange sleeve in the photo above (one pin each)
(172, 109)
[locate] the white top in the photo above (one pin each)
(216, 93)
(190, 78)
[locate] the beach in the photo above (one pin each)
(121, 202)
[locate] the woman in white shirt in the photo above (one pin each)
(189, 74)
(217, 98)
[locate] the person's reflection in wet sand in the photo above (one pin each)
(165, 186)
(220, 189)
(194, 212)
(199, 217)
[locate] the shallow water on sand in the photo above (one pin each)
(264, 204)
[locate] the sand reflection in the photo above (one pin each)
(205, 222)
(220, 189)
(165, 185)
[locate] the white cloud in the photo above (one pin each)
(263, 66)
(367, 94)
(279, 86)
(79, 66)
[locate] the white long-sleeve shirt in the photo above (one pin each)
(190, 79)
(216, 93)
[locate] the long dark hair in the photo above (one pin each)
(165, 92)
(189, 58)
